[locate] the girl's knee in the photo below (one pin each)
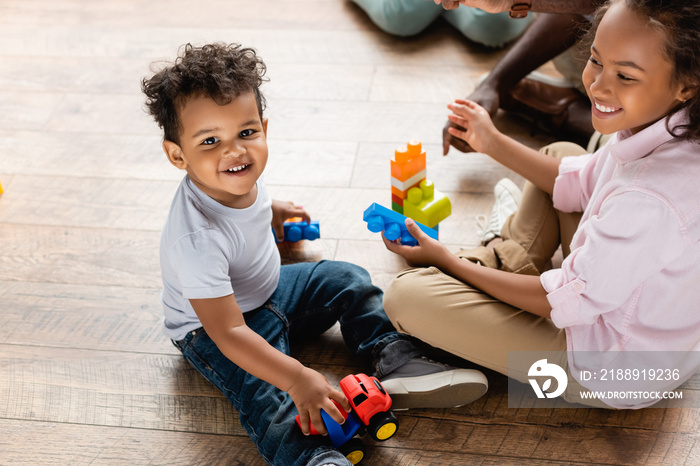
(407, 296)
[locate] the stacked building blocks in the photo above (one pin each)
(393, 224)
(412, 194)
(295, 229)
(408, 169)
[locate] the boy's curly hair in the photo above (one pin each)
(220, 71)
(679, 21)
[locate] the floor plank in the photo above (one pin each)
(79, 255)
(85, 370)
(65, 443)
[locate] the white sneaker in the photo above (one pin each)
(424, 383)
(508, 197)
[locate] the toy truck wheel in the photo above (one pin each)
(383, 426)
(354, 450)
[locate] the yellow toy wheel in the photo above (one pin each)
(355, 456)
(383, 426)
(354, 450)
(386, 431)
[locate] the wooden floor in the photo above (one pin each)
(86, 376)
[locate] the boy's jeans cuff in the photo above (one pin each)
(393, 352)
(329, 457)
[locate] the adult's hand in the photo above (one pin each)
(583, 7)
(489, 6)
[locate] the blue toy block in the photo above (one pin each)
(393, 224)
(341, 433)
(298, 230)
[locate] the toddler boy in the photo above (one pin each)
(229, 305)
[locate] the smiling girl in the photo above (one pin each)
(627, 218)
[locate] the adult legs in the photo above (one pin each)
(492, 30)
(410, 17)
(401, 17)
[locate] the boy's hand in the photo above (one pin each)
(283, 210)
(427, 252)
(479, 130)
(311, 393)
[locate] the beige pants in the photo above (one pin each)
(449, 314)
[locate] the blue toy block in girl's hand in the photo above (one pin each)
(393, 224)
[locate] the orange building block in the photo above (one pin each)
(408, 160)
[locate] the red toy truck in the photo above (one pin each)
(370, 410)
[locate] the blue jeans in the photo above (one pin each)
(309, 299)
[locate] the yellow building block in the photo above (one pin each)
(403, 193)
(0, 188)
(427, 205)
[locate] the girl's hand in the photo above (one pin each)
(311, 393)
(487, 97)
(479, 130)
(283, 210)
(427, 252)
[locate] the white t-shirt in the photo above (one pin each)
(208, 250)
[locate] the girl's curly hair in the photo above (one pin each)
(220, 71)
(679, 21)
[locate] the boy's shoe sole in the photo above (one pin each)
(447, 389)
